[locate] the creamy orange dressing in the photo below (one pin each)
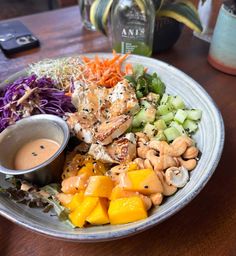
(34, 153)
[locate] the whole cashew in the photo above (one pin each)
(156, 198)
(147, 164)
(147, 201)
(142, 136)
(142, 151)
(184, 138)
(139, 162)
(168, 190)
(188, 164)
(160, 163)
(191, 152)
(177, 177)
(177, 148)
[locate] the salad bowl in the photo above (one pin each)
(209, 139)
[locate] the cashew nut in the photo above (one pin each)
(156, 198)
(168, 190)
(142, 136)
(142, 151)
(177, 148)
(160, 163)
(177, 177)
(139, 162)
(184, 138)
(147, 164)
(188, 164)
(147, 201)
(191, 152)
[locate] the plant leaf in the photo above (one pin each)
(182, 11)
(157, 4)
(99, 13)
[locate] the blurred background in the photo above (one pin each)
(16, 8)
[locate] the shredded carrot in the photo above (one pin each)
(106, 72)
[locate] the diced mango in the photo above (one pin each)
(72, 185)
(64, 198)
(99, 215)
(131, 166)
(144, 181)
(99, 186)
(99, 168)
(120, 192)
(125, 210)
(77, 199)
(86, 171)
(79, 215)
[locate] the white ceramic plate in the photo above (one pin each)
(210, 140)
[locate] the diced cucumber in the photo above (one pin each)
(145, 115)
(171, 133)
(164, 99)
(177, 102)
(160, 124)
(149, 129)
(160, 136)
(145, 103)
(180, 116)
(178, 126)
(163, 109)
(190, 126)
(194, 114)
(168, 117)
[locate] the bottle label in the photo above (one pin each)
(134, 28)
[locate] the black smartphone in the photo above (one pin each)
(16, 37)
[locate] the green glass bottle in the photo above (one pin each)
(132, 26)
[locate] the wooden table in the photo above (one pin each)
(207, 226)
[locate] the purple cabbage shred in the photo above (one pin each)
(30, 96)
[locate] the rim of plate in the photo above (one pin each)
(139, 226)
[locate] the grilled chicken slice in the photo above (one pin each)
(123, 149)
(123, 99)
(113, 128)
(99, 152)
(82, 125)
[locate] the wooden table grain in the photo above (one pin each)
(207, 226)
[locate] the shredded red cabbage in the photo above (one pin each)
(29, 96)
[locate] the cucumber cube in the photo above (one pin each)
(171, 133)
(163, 110)
(150, 130)
(168, 117)
(194, 114)
(160, 125)
(190, 126)
(178, 126)
(164, 99)
(160, 136)
(177, 102)
(180, 116)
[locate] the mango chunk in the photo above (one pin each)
(86, 171)
(72, 185)
(79, 215)
(76, 200)
(125, 210)
(120, 192)
(99, 215)
(99, 186)
(144, 181)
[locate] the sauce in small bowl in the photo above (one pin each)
(33, 148)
